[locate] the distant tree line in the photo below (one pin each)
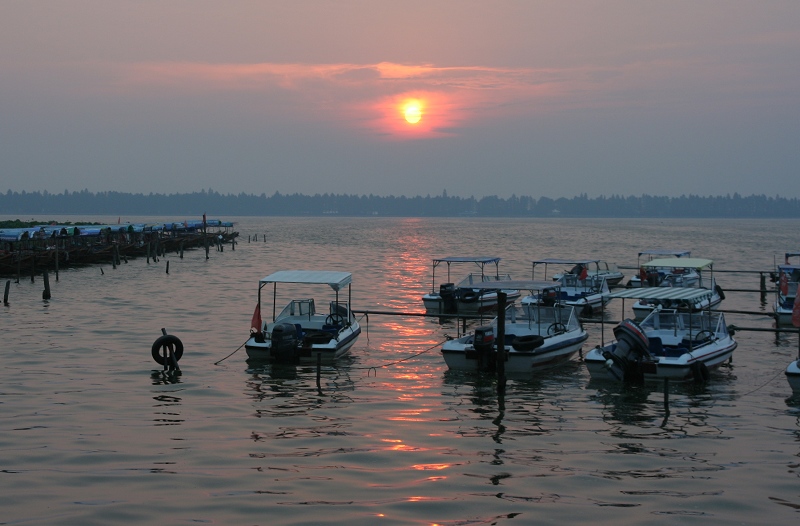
(196, 203)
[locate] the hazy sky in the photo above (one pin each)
(526, 97)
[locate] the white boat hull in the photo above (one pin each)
(557, 334)
(793, 376)
(680, 368)
(327, 352)
(667, 345)
(434, 304)
(466, 358)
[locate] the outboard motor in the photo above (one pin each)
(549, 297)
(632, 345)
(284, 341)
(483, 341)
(447, 291)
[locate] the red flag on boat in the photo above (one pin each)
(784, 284)
(796, 309)
(256, 321)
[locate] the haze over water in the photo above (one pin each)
(93, 432)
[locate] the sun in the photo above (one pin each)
(412, 111)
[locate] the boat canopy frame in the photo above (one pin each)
(334, 279)
(480, 261)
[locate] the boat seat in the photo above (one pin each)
(333, 329)
(299, 329)
(656, 346)
(673, 351)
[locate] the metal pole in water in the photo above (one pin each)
(167, 266)
(501, 343)
(319, 368)
(5, 295)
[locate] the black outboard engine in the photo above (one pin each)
(447, 291)
(549, 297)
(284, 341)
(632, 346)
(483, 341)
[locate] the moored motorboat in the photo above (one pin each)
(793, 375)
(594, 268)
(299, 332)
(677, 273)
(466, 297)
(535, 337)
(587, 293)
(667, 344)
(788, 278)
(637, 280)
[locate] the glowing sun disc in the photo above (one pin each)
(413, 112)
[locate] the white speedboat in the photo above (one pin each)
(535, 337)
(666, 344)
(678, 273)
(587, 293)
(788, 281)
(793, 375)
(594, 268)
(465, 297)
(650, 254)
(299, 332)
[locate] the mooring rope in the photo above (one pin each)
(234, 352)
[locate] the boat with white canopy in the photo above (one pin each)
(466, 297)
(300, 332)
(679, 273)
(668, 343)
(650, 254)
(535, 337)
(587, 293)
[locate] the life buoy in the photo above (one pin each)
(527, 342)
(168, 343)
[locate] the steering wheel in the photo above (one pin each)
(334, 319)
(556, 328)
(703, 335)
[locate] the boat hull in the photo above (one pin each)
(327, 352)
(435, 304)
(793, 376)
(461, 355)
(679, 368)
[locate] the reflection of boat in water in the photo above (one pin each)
(535, 337)
(666, 344)
(300, 332)
(466, 297)
(669, 274)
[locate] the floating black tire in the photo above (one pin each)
(162, 347)
(527, 342)
(700, 372)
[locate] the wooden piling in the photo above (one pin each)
(5, 294)
(56, 259)
(46, 291)
(167, 266)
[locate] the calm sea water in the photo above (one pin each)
(92, 431)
